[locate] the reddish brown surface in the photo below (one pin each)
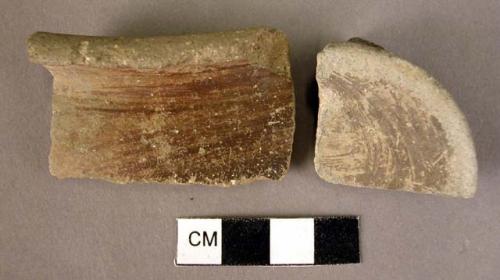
(216, 124)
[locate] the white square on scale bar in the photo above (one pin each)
(292, 241)
(199, 241)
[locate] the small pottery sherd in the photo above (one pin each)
(385, 123)
(207, 109)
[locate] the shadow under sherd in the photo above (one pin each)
(306, 104)
(305, 129)
(312, 102)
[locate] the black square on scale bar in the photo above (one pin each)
(336, 240)
(245, 241)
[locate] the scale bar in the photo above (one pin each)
(268, 241)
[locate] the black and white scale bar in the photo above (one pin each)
(268, 241)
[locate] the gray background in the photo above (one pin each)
(83, 229)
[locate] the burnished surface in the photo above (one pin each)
(226, 121)
(384, 123)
